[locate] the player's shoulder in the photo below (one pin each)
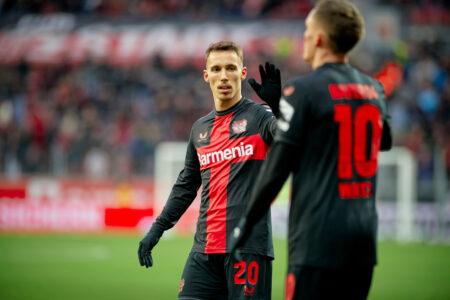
(256, 107)
(369, 80)
(205, 119)
(378, 85)
(297, 87)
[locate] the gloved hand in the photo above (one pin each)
(238, 238)
(270, 88)
(146, 245)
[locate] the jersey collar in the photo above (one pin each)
(231, 109)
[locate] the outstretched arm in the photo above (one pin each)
(183, 193)
(273, 174)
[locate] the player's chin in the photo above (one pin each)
(307, 58)
(225, 96)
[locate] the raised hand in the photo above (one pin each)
(269, 90)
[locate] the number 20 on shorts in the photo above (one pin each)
(252, 272)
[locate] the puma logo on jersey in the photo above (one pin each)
(227, 154)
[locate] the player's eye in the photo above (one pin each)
(231, 68)
(215, 69)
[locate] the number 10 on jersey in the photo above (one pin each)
(353, 144)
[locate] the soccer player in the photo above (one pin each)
(333, 123)
(226, 148)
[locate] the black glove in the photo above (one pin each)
(146, 245)
(270, 88)
(238, 237)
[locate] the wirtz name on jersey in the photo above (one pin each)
(227, 154)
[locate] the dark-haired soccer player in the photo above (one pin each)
(333, 123)
(226, 148)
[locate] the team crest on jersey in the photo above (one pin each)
(239, 126)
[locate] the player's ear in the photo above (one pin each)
(320, 39)
(244, 73)
(205, 76)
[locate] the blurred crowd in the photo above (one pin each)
(97, 119)
(436, 11)
(420, 110)
(194, 9)
(102, 120)
(62, 118)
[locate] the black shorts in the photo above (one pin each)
(306, 282)
(219, 276)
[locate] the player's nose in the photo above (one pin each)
(223, 75)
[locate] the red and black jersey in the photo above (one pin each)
(332, 125)
(337, 119)
(225, 151)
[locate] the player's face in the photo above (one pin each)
(310, 37)
(224, 73)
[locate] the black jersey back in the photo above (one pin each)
(226, 149)
(335, 116)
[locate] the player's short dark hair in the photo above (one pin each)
(342, 21)
(225, 46)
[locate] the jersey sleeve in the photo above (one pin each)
(270, 179)
(183, 192)
(294, 109)
(266, 123)
(386, 136)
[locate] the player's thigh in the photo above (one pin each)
(357, 283)
(307, 282)
(250, 278)
(201, 279)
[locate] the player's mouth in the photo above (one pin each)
(224, 88)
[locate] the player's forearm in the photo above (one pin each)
(273, 174)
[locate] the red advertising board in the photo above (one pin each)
(45, 204)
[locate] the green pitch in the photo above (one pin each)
(106, 267)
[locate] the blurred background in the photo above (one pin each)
(97, 98)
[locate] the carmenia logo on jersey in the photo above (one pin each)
(227, 154)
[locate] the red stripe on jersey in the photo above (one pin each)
(218, 156)
(216, 230)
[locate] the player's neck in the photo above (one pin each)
(222, 105)
(327, 56)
